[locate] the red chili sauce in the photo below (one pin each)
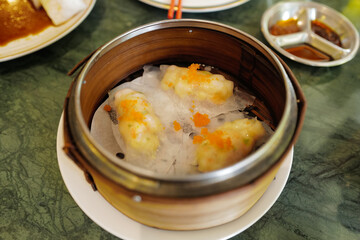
(18, 19)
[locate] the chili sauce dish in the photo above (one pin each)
(310, 33)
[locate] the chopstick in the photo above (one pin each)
(171, 10)
(178, 12)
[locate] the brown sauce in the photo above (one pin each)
(18, 19)
(285, 27)
(326, 32)
(308, 52)
(291, 26)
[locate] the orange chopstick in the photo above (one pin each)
(179, 13)
(171, 10)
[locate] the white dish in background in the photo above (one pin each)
(113, 221)
(32, 43)
(304, 13)
(198, 6)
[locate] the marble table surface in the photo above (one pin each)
(321, 199)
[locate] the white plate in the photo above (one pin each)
(113, 221)
(32, 43)
(198, 5)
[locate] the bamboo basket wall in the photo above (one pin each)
(201, 200)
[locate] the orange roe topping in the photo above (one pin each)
(127, 104)
(133, 133)
(198, 139)
(145, 103)
(200, 120)
(193, 67)
(192, 108)
(194, 77)
(130, 114)
(215, 138)
(204, 131)
(107, 108)
(177, 126)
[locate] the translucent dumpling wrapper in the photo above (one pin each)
(176, 153)
(138, 124)
(202, 85)
(227, 144)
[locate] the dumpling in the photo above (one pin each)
(138, 124)
(227, 144)
(202, 85)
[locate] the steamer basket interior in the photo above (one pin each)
(243, 63)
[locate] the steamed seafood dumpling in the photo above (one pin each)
(202, 85)
(138, 124)
(227, 144)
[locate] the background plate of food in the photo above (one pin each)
(198, 5)
(28, 26)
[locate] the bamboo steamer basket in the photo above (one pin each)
(194, 201)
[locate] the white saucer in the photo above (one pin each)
(33, 43)
(113, 221)
(198, 6)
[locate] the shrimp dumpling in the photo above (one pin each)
(138, 124)
(227, 144)
(202, 85)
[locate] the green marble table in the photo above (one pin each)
(320, 201)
